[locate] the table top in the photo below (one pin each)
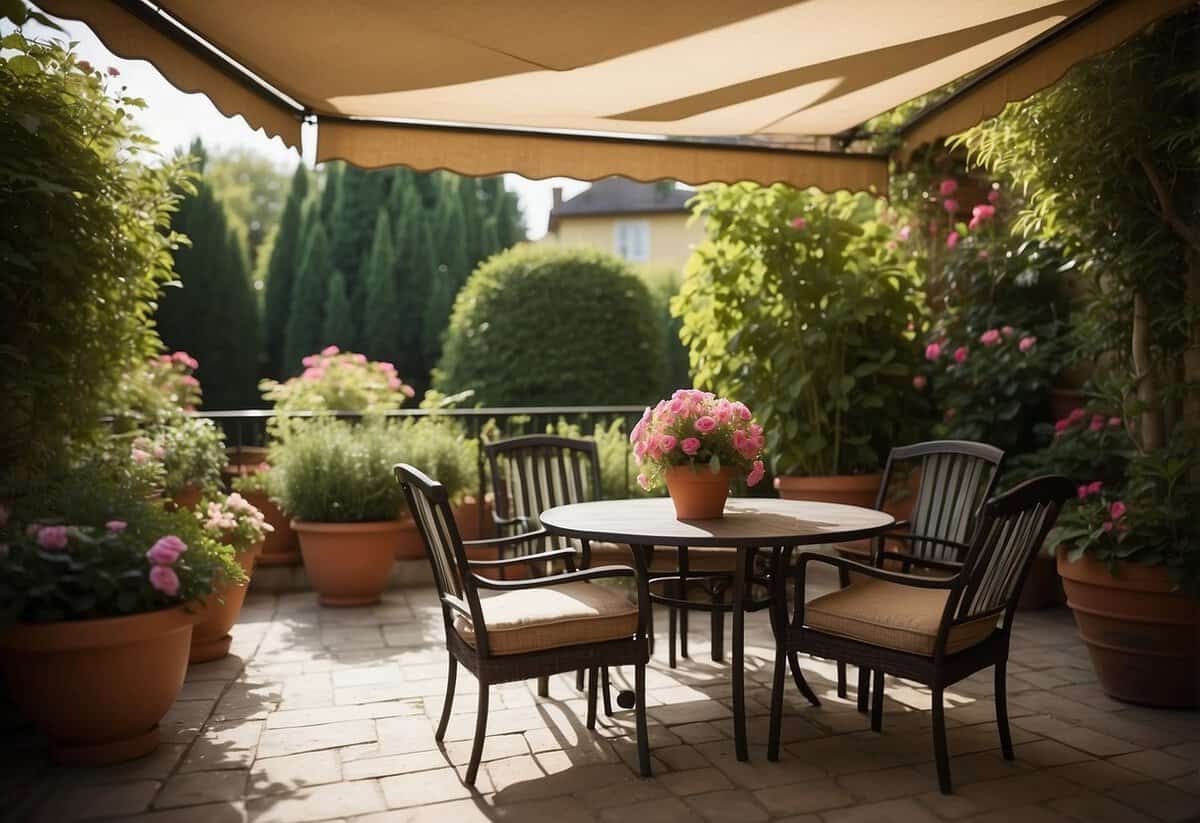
(748, 522)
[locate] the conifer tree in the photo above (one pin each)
(339, 327)
(281, 271)
(360, 197)
(383, 311)
(306, 317)
(329, 194)
(418, 273)
(468, 198)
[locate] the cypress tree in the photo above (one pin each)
(468, 199)
(510, 228)
(360, 197)
(329, 194)
(448, 278)
(306, 317)
(489, 241)
(418, 276)
(339, 327)
(383, 313)
(281, 271)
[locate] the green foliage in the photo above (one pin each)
(450, 242)
(111, 520)
(213, 314)
(439, 448)
(306, 316)
(233, 520)
(418, 262)
(360, 197)
(339, 327)
(252, 187)
(191, 451)
(85, 245)
(664, 284)
(547, 326)
(384, 307)
(281, 272)
(796, 305)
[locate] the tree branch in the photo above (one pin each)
(1172, 219)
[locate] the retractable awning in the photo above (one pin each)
(703, 90)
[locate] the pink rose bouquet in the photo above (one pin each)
(696, 428)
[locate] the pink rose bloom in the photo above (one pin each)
(952, 240)
(1095, 486)
(756, 430)
(743, 411)
(1008, 331)
(1027, 343)
(1098, 422)
(1083, 492)
(920, 382)
(139, 456)
(757, 470)
(982, 212)
(385, 366)
(166, 550)
(313, 374)
(116, 526)
(329, 351)
(310, 361)
(394, 383)
(1061, 425)
(704, 424)
(639, 449)
(932, 352)
(678, 405)
(947, 187)
(740, 440)
(408, 391)
(1076, 415)
(950, 205)
(666, 443)
(159, 452)
(644, 482)
(993, 196)
(799, 223)
(691, 445)
(113, 71)
(1117, 510)
(1108, 526)
(1115, 422)
(974, 223)
(359, 358)
(904, 232)
(52, 538)
(960, 354)
(164, 579)
(991, 337)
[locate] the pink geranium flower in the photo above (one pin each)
(991, 337)
(1098, 423)
(1095, 486)
(1027, 343)
(1061, 426)
(1076, 414)
(960, 354)
(690, 445)
(933, 351)
(166, 550)
(704, 424)
(164, 579)
(1008, 332)
(52, 538)
(1082, 491)
(1108, 526)
(947, 187)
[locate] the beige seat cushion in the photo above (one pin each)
(894, 616)
(666, 558)
(548, 617)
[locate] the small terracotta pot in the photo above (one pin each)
(187, 498)
(348, 564)
(98, 688)
(280, 547)
(698, 494)
(217, 614)
(1143, 638)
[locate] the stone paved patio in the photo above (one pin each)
(325, 714)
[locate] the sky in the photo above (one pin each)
(174, 118)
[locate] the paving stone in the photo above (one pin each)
(870, 787)
(671, 810)
(733, 806)
(1161, 801)
(193, 788)
(1079, 737)
(1156, 764)
(990, 795)
(1098, 775)
(1044, 753)
(274, 775)
(335, 714)
(208, 813)
(277, 742)
(79, 802)
(1095, 808)
(155, 766)
(807, 796)
(694, 781)
(906, 810)
(1024, 814)
(336, 800)
(418, 789)
(698, 732)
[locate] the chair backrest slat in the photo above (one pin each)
(533, 473)
(956, 477)
(1011, 530)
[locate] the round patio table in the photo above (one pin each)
(749, 524)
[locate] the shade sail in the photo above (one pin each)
(712, 90)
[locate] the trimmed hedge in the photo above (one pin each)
(542, 325)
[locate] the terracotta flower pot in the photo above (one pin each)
(98, 688)
(348, 563)
(847, 489)
(1144, 639)
(698, 494)
(187, 498)
(409, 545)
(217, 614)
(280, 547)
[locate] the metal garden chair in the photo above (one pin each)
(934, 630)
(955, 477)
(527, 628)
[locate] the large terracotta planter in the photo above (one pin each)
(98, 688)
(1144, 639)
(348, 564)
(851, 489)
(409, 545)
(217, 614)
(698, 494)
(280, 547)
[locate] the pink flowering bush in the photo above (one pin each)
(234, 520)
(695, 428)
(334, 380)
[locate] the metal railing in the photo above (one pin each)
(247, 428)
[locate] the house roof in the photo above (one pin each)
(620, 195)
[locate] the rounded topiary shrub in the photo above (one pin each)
(542, 325)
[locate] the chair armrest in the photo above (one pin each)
(566, 554)
(455, 604)
(596, 573)
(954, 544)
(914, 580)
(511, 540)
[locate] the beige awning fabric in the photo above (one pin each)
(526, 87)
